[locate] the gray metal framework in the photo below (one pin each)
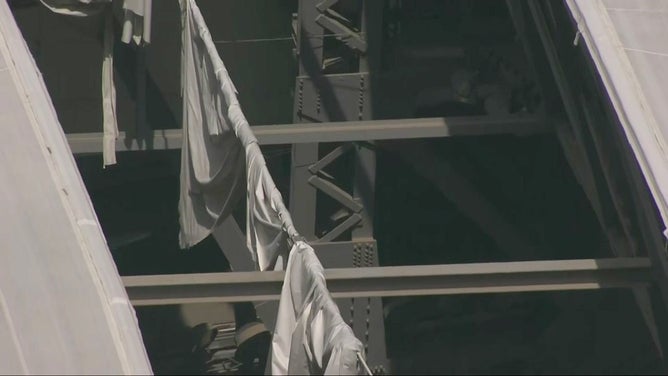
(343, 94)
(337, 108)
(477, 278)
(338, 131)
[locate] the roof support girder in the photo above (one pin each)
(340, 131)
(477, 278)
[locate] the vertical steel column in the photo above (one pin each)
(321, 97)
(309, 49)
(373, 324)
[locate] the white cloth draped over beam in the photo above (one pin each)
(216, 137)
(212, 159)
(310, 335)
(136, 27)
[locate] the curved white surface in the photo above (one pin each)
(63, 307)
(627, 41)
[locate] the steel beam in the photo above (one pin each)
(479, 278)
(340, 131)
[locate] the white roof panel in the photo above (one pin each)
(627, 41)
(63, 307)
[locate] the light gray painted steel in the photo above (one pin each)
(340, 131)
(329, 158)
(478, 278)
(91, 143)
(310, 57)
(326, 97)
(333, 191)
(399, 129)
(341, 228)
(232, 241)
(302, 194)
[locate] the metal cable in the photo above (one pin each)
(363, 361)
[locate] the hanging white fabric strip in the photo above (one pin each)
(136, 27)
(137, 21)
(78, 8)
(82, 8)
(212, 158)
(109, 120)
(310, 335)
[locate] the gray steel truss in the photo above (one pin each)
(324, 96)
(477, 278)
(337, 108)
(340, 131)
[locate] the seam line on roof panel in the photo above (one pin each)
(57, 177)
(12, 331)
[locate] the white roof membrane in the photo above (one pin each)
(63, 307)
(627, 41)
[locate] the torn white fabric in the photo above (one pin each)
(63, 306)
(83, 8)
(137, 21)
(136, 27)
(310, 336)
(269, 224)
(79, 8)
(626, 42)
(212, 157)
(264, 231)
(109, 119)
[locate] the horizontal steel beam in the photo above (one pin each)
(478, 278)
(81, 143)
